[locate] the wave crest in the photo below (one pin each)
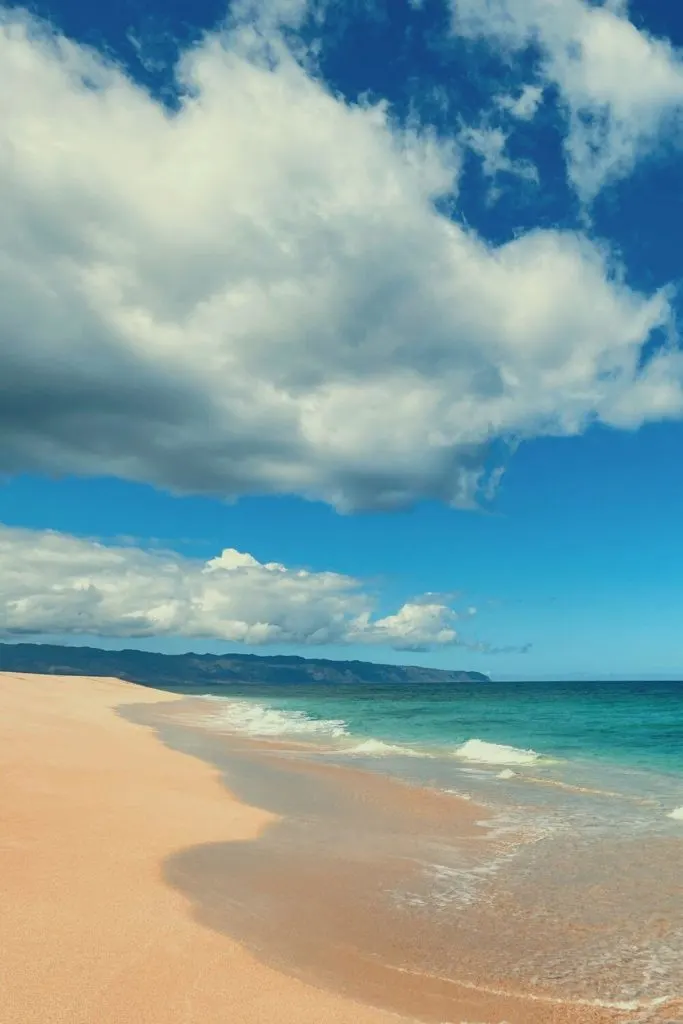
(484, 752)
(257, 719)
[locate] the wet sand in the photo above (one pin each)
(411, 898)
(138, 887)
(90, 933)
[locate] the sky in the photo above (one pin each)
(349, 330)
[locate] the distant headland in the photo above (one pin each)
(202, 670)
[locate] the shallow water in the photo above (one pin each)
(571, 891)
(638, 725)
(612, 750)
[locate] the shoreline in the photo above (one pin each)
(90, 807)
(136, 833)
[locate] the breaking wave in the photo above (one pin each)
(484, 752)
(257, 719)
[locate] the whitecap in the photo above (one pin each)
(258, 719)
(495, 753)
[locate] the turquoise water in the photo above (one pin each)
(581, 790)
(632, 724)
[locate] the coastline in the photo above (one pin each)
(91, 805)
(119, 856)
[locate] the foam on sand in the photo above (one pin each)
(378, 748)
(676, 814)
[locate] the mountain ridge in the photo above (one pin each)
(190, 670)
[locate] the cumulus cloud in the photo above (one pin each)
(53, 583)
(620, 86)
(257, 294)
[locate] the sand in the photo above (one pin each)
(90, 806)
(93, 809)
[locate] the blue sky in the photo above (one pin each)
(385, 293)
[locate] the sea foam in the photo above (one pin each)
(676, 814)
(484, 752)
(257, 719)
(378, 748)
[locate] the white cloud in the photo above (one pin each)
(53, 583)
(490, 144)
(414, 622)
(620, 85)
(257, 294)
(525, 104)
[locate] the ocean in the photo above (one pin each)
(624, 736)
(576, 879)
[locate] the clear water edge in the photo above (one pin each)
(612, 741)
(578, 782)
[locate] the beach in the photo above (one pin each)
(91, 806)
(138, 887)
